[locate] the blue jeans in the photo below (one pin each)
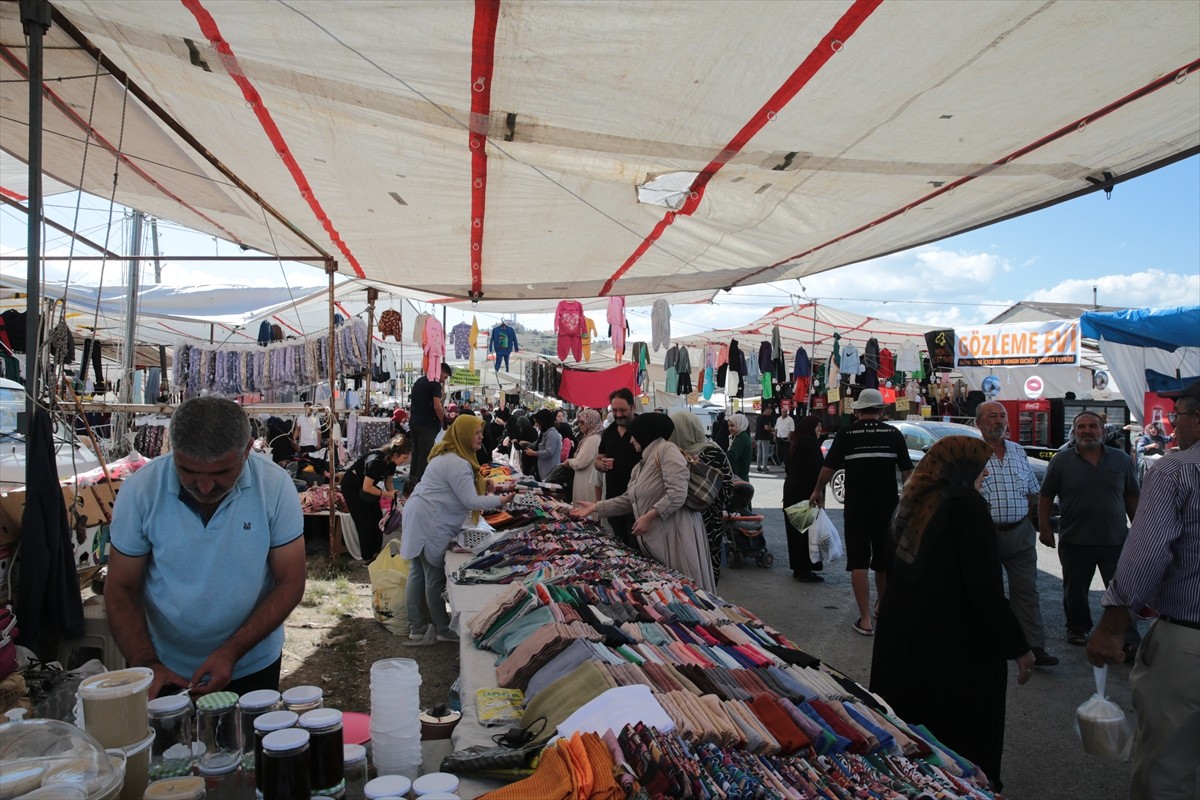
(426, 582)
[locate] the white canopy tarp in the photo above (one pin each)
(499, 147)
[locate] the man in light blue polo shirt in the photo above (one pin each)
(207, 557)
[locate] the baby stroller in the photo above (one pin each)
(744, 529)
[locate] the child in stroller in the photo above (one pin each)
(744, 529)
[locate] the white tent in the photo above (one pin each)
(524, 149)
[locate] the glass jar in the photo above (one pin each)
(217, 730)
(435, 782)
(325, 755)
(170, 719)
(354, 770)
(251, 706)
(263, 725)
(285, 770)
(223, 782)
(303, 698)
(387, 786)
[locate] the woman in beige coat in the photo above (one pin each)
(583, 460)
(668, 532)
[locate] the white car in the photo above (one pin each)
(70, 456)
(920, 436)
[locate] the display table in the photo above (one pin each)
(732, 689)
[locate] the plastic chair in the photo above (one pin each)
(96, 637)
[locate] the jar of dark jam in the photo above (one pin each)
(325, 755)
(285, 765)
(263, 725)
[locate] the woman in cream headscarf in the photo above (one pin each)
(741, 449)
(689, 436)
(587, 484)
(667, 531)
(451, 487)
(945, 594)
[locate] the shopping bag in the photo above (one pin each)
(827, 539)
(802, 515)
(1101, 724)
(389, 580)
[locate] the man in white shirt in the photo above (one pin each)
(1011, 490)
(307, 430)
(783, 435)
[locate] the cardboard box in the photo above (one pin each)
(93, 504)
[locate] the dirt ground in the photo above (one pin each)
(333, 639)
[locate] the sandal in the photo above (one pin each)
(858, 627)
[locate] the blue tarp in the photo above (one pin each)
(1161, 328)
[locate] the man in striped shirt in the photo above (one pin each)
(1159, 572)
(1012, 492)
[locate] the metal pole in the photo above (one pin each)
(164, 383)
(331, 270)
(372, 296)
(35, 19)
(135, 276)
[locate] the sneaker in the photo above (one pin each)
(447, 637)
(418, 634)
(1043, 659)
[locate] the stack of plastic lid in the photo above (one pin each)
(395, 712)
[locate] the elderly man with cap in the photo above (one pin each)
(1159, 571)
(870, 451)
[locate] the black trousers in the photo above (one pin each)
(1079, 565)
(422, 438)
(265, 678)
(91, 348)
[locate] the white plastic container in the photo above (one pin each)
(395, 717)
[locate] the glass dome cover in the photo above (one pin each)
(42, 753)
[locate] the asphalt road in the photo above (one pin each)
(1043, 758)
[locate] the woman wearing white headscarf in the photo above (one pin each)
(667, 531)
(741, 449)
(587, 484)
(689, 436)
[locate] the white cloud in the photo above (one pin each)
(1150, 288)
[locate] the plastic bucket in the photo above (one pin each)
(114, 705)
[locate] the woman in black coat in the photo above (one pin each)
(945, 629)
(365, 482)
(803, 464)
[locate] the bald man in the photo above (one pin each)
(1012, 491)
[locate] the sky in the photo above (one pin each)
(1139, 248)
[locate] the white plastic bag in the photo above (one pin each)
(1101, 724)
(824, 537)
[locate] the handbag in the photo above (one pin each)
(704, 484)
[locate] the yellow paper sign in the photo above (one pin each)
(901, 403)
(833, 395)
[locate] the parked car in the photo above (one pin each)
(920, 436)
(70, 455)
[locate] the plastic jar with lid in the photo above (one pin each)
(251, 706)
(187, 788)
(354, 769)
(386, 786)
(268, 723)
(325, 754)
(285, 770)
(303, 698)
(170, 719)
